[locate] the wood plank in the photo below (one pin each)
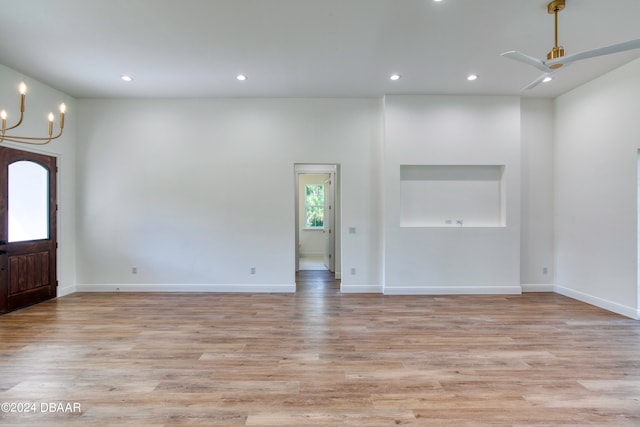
(320, 358)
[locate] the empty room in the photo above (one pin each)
(320, 212)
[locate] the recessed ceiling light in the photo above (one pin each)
(126, 78)
(241, 77)
(395, 77)
(437, 1)
(472, 77)
(547, 79)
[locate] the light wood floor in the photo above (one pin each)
(319, 358)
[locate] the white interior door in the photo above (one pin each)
(329, 220)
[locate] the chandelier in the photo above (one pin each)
(26, 139)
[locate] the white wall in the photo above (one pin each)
(196, 192)
(598, 137)
(452, 130)
(40, 100)
(538, 180)
(162, 185)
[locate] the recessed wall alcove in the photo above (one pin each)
(452, 196)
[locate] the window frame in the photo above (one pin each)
(308, 206)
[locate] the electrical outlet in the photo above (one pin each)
(352, 230)
(545, 270)
(134, 270)
(353, 270)
(253, 270)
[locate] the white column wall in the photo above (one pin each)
(452, 130)
(538, 180)
(598, 137)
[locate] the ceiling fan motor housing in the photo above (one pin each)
(556, 52)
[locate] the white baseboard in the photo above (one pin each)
(599, 302)
(65, 290)
(360, 289)
(537, 287)
(311, 254)
(623, 310)
(187, 288)
(452, 290)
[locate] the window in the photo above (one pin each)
(314, 206)
(28, 201)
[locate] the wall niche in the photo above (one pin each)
(452, 196)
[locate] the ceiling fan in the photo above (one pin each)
(556, 58)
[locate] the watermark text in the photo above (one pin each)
(40, 407)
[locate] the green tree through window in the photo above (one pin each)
(314, 205)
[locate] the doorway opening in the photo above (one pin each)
(317, 218)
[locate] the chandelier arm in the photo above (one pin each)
(29, 140)
(23, 96)
(17, 124)
(24, 141)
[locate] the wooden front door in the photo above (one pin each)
(27, 228)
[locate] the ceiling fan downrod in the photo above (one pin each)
(558, 51)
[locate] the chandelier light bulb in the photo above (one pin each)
(50, 124)
(63, 108)
(22, 88)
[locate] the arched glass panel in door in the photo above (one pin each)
(28, 196)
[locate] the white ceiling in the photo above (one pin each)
(305, 48)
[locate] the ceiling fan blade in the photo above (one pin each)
(536, 82)
(607, 50)
(530, 60)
